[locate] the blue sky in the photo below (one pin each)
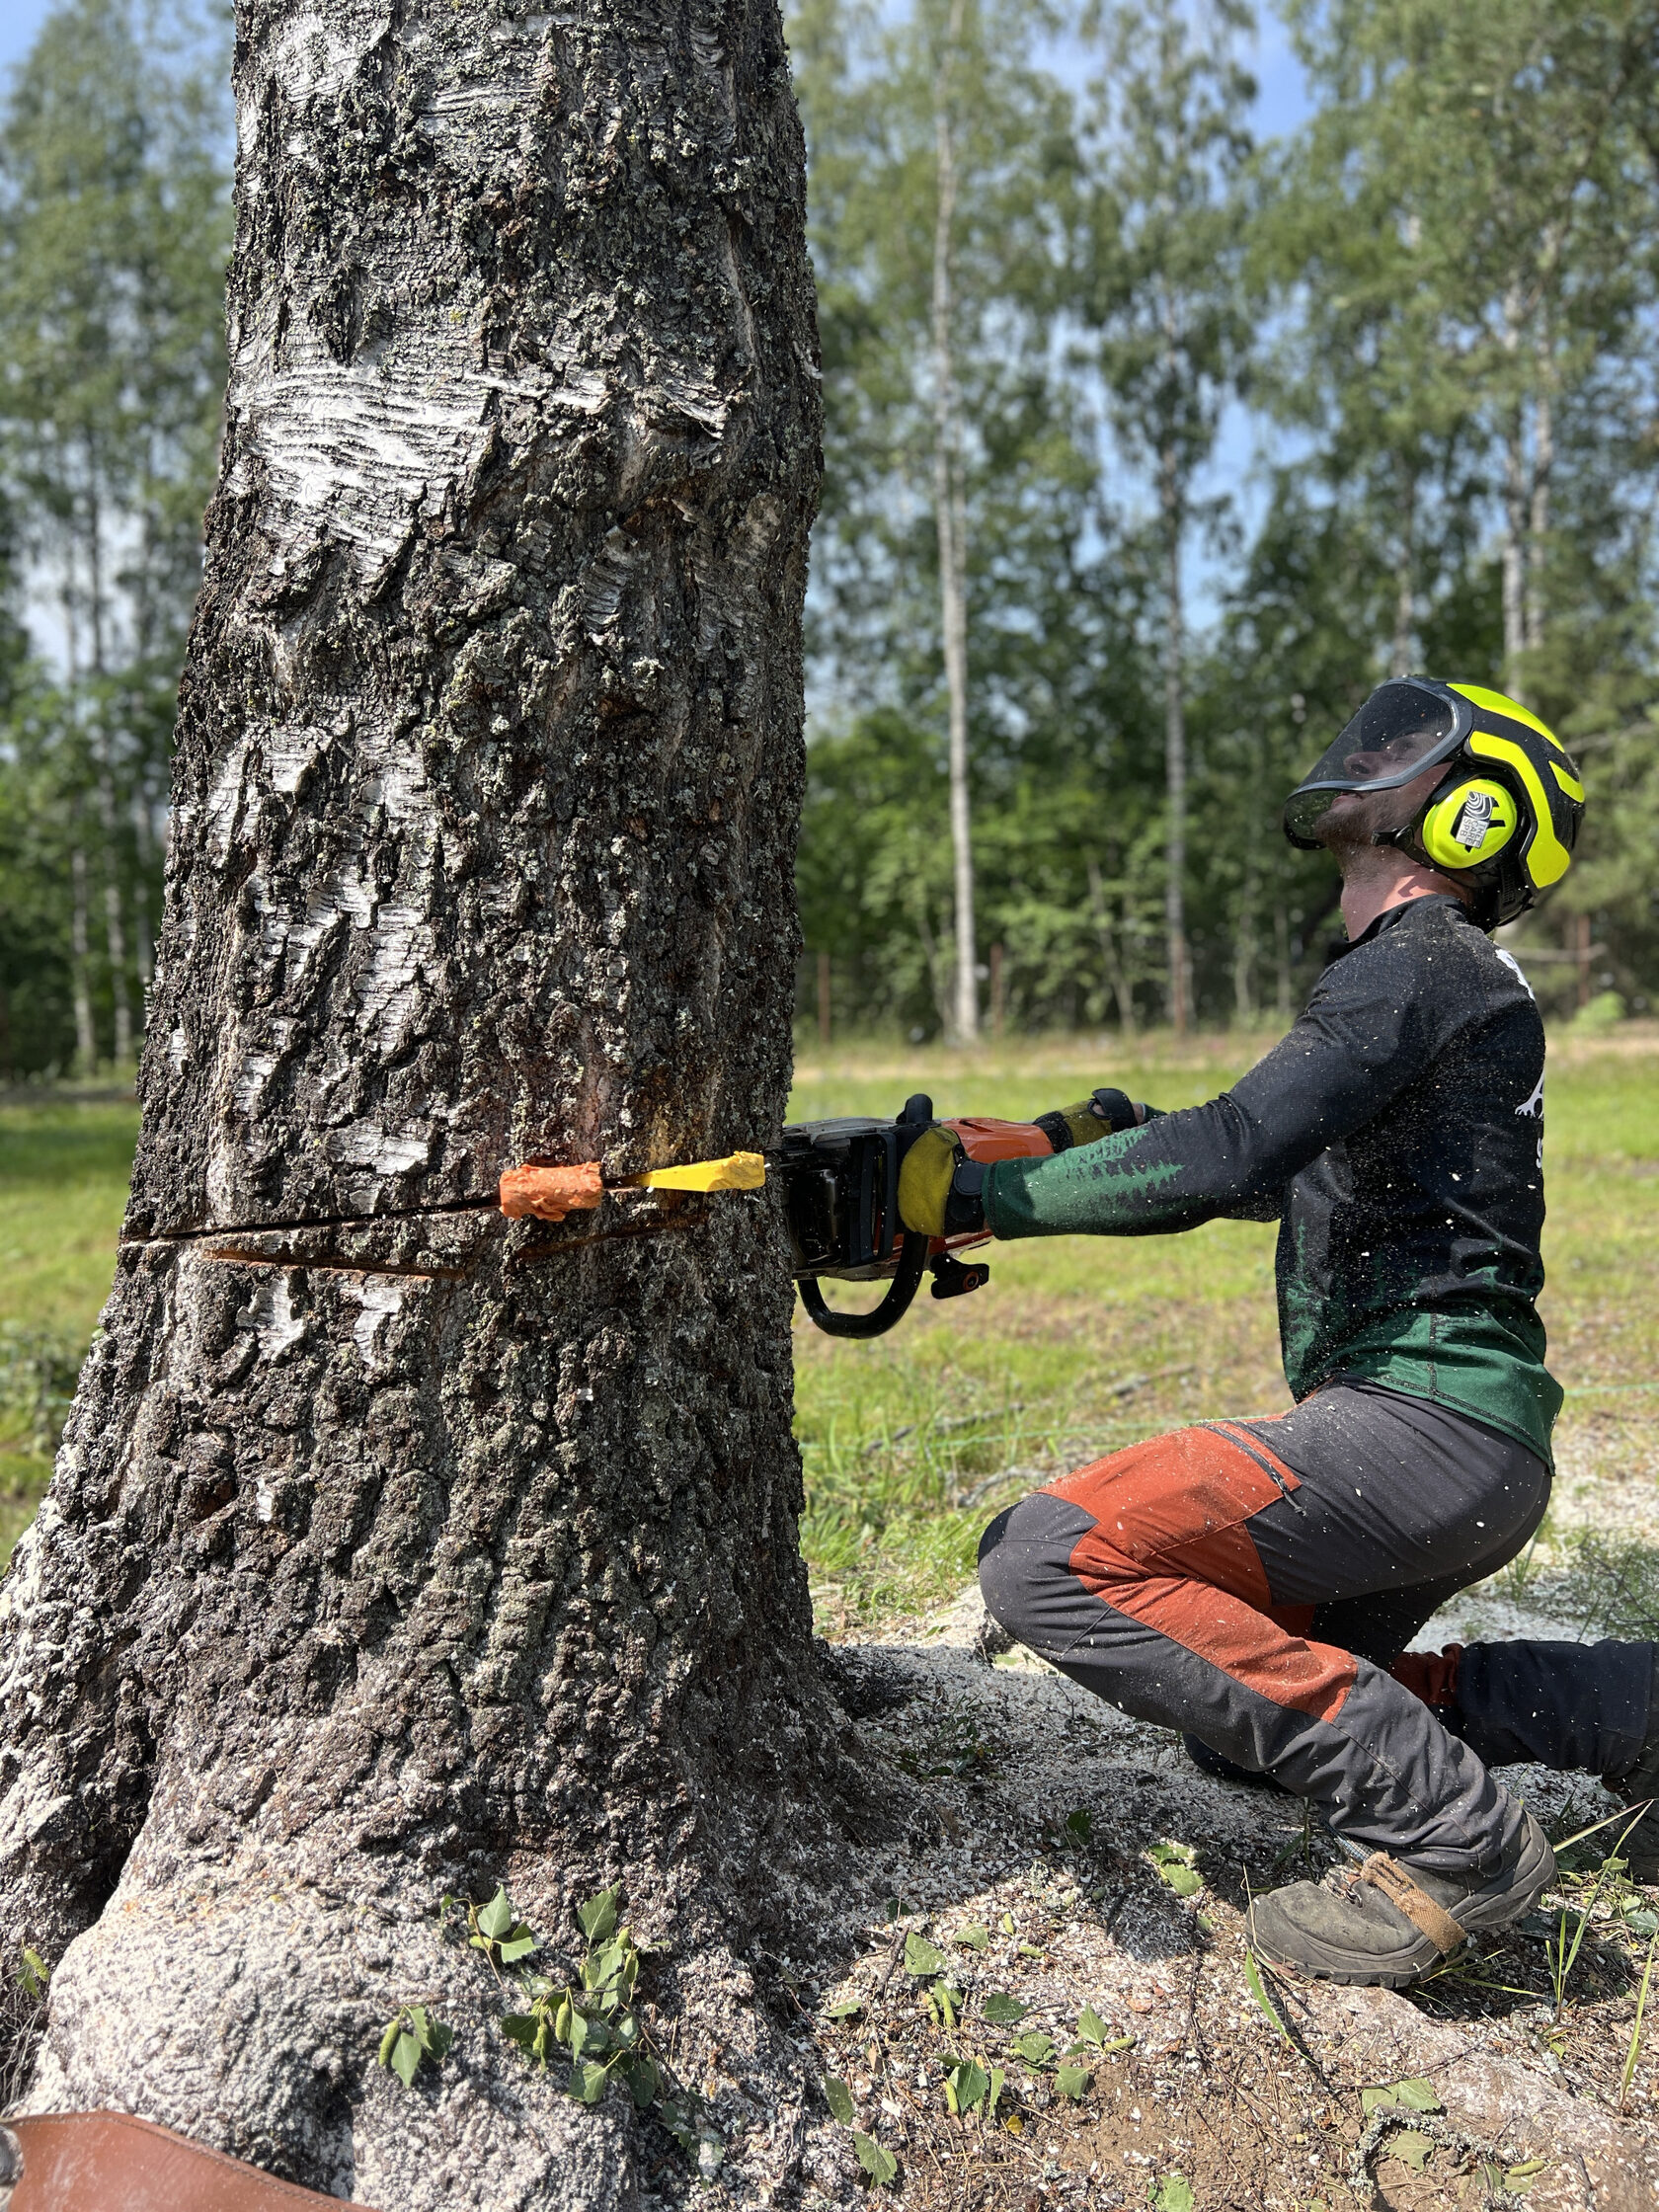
(18, 22)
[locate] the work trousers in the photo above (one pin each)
(1256, 1583)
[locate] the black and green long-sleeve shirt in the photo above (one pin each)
(1397, 1135)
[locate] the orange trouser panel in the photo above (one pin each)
(1170, 1548)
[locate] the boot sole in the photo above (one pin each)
(1480, 1913)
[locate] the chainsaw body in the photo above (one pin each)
(840, 1185)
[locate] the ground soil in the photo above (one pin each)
(1194, 2095)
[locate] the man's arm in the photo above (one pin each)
(1365, 1035)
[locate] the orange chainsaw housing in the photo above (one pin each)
(985, 1140)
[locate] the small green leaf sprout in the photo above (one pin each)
(591, 2020)
(413, 2036)
(877, 2161)
(497, 1930)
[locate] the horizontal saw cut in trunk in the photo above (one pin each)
(397, 1548)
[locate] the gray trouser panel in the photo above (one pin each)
(1396, 1504)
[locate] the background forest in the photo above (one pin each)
(1153, 442)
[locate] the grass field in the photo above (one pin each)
(1077, 1345)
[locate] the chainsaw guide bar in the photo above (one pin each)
(840, 1193)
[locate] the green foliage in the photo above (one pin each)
(1259, 1997)
(1438, 291)
(1405, 2096)
(592, 2021)
(413, 2038)
(115, 225)
(1177, 1865)
(967, 2083)
(37, 1373)
(877, 2161)
(33, 1974)
(922, 1957)
(504, 1941)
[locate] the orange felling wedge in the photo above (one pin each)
(550, 1193)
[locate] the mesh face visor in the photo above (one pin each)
(1403, 728)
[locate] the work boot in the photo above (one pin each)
(1641, 1847)
(1386, 1921)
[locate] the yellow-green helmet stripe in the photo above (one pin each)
(1546, 860)
(1495, 703)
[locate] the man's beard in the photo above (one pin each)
(1355, 825)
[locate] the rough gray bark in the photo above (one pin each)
(392, 1550)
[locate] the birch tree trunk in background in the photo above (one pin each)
(1538, 519)
(1175, 745)
(392, 1550)
(951, 512)
(1405, 577)
(86, 1037)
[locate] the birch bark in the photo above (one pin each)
(392, 1550)
(1405, 576)
(1171, 494)
(950, 507)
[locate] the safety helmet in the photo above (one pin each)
(1503, 817)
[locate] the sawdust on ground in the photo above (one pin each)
(1192, 2095)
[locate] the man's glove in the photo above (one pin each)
(939, 1186)
(1102, 1114)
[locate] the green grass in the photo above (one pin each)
(1077, 1346)
(63, 1175)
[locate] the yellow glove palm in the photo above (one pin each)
(924, 1181)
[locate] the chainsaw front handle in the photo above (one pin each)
(912, 1259)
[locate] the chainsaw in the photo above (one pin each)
(840, 1186)
(841, 1195)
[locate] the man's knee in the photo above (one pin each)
(1025, 1564)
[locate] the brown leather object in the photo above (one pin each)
(550, 1193)
(110, 2161)
(1390, 1877)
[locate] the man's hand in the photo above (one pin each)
(939, 1186)
(1104, 1112)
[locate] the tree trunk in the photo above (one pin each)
(86, 1037)
(115, 929)
(1513, 550)
(1405, 577)
(1538, 520)
(1515, 505)
(951, 512)
(1174, 748)
(394, 1550)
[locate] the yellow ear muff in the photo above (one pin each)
(1472, 823)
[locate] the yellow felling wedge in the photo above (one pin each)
(738, 1171)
